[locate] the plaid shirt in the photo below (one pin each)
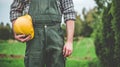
(18, 8)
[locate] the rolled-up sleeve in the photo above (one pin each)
(68, 10)
(16, 9)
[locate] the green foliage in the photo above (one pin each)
(5, 32)
(87, 30)
(102, 3)
(78, 26)
(115, 10)
(82, 27)
(88, 22)
(107, 41)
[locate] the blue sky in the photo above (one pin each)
(79, 5)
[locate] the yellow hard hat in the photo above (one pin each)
(23, 25)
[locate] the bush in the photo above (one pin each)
(4, 33)
(104, 41)
(115, 10)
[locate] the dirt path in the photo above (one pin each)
(11, 56)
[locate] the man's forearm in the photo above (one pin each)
(70, 30)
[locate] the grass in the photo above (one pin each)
(15, 48)
(83, 54)
(7, 62)
(84, 48)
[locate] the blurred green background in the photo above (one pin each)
(96, 39)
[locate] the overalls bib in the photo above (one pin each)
(45, 49)
(45, 10)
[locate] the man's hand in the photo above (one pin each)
(22, 38)
(67, 49)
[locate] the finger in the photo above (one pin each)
(26, 39)
(21, 36)
(69, 53)
(66, 53)
(18, 37)
(64, 50)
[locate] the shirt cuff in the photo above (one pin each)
(69, 16)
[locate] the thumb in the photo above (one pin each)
(64, 50)
(21, 35)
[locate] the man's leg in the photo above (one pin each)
(34, 56)
(54, 46)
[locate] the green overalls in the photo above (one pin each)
(45, 49)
